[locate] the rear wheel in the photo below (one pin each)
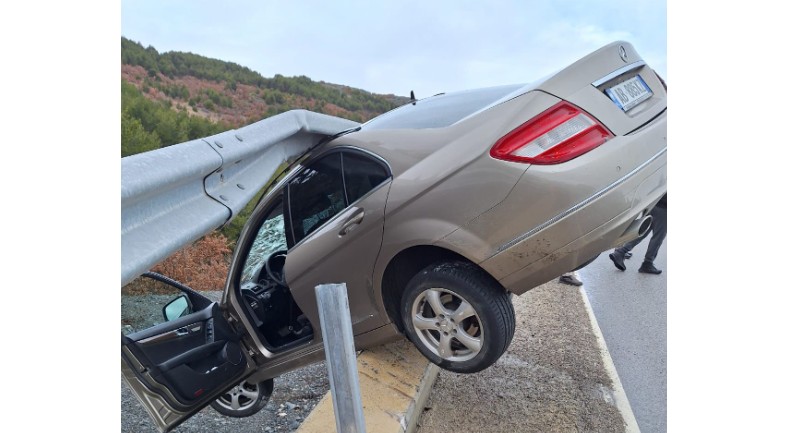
(458, 316)
(245, 399)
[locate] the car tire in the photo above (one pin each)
(456, 337)
(245, 399)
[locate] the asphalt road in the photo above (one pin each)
(631, 309)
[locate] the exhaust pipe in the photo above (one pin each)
(638, 227)
(644, 226)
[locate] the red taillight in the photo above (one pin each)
(559, 134)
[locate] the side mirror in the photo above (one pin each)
(177, 308)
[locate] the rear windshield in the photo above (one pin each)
(440, 111)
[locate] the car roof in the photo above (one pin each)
(443, 109)
(409, 133)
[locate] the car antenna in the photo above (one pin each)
(413, 98)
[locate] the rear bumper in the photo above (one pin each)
(589, 226)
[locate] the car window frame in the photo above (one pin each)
(289, 195)
(372, 157)
(260, 212)
(267, 208)
(339, 150)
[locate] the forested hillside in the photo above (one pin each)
(168, 98)
(148, 124)
(172, 97)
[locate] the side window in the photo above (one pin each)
(270, 238)
(145, 302)
(316, 195)
(362, 174)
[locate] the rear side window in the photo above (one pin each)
(362, 175)
(328, 186)
(316, 195)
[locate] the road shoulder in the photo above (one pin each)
(553, 377)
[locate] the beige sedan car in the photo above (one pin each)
(433, 215)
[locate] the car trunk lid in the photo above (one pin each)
(614, 85)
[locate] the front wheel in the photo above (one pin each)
(245, 399)
(458, 316)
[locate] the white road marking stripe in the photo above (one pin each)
(621, 401)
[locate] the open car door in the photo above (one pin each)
(177, 367)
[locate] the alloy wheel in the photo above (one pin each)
(241, 397)
(447, 324)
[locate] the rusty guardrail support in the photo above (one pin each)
(340, 356)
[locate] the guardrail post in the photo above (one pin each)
(340, 357)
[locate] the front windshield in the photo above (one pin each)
(270, 238)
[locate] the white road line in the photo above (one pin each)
(621, 401)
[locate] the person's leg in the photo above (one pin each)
(659, 229)
(619, 254)
(628, 246)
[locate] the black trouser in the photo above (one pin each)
(659, 229)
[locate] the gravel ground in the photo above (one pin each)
(299, 390)
(295, 393)
(550, 380)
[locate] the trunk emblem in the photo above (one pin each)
(623, 55)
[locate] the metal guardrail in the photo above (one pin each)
(172, 196)
(340, 356)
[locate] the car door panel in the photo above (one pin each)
(184, 364)
(342, 251)
(163, 341)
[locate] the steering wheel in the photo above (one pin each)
(274, 266)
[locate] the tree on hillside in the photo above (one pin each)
(134, 138)
(177, 64)
(148, 125)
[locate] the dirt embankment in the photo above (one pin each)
(552, 378)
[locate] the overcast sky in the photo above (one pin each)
(399, 46)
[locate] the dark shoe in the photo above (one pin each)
(617, 259)
(570, 280)
(627, 255)
(649, 268)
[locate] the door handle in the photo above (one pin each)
(352, 222)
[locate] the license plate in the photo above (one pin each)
(629, 93)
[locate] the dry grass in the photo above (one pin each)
(201, 266)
